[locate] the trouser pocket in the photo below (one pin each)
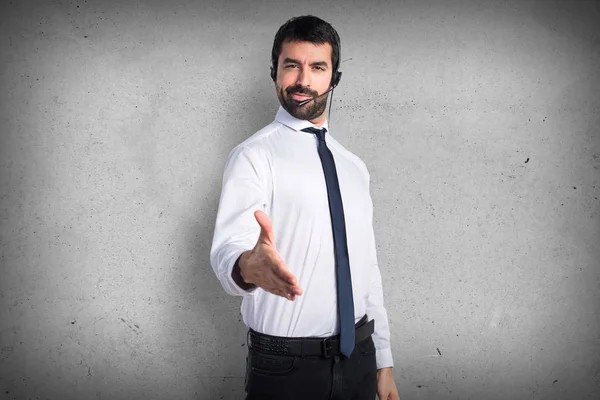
(264, 364)
(367, 347)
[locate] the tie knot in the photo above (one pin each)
(319, 132)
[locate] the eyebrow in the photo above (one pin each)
(288, 60)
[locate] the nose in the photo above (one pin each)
(303, 77)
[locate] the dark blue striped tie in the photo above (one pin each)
(336, 209)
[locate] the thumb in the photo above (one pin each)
(266, 228)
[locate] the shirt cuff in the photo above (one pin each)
(233, 287)
(384, 358)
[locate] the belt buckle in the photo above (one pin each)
(325, 349)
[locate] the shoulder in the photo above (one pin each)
(264, 139)
(258, 143)
(257, 150)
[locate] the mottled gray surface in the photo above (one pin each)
(479, 121)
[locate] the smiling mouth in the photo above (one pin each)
(301, 97)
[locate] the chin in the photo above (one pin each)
(307, 112)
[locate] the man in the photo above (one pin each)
(294, 236)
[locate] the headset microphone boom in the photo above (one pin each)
(303, 102)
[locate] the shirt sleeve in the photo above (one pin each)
(244, 190)
(375, 305)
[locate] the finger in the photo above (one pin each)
(293, 289)
(284, 274)
(289, 296)
(286, 294)
(294, 295)
(296, 290)
(266, 227)
(284, 279)
(281, 287)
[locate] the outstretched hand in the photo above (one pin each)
(264, 267)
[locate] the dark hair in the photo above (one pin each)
(306, 28)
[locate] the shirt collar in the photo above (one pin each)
(296, 124)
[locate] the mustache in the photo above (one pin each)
(300, 90)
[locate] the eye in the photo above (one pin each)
(290, 66)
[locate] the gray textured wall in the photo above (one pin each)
(479, 122)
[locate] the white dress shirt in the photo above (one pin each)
(278, 170)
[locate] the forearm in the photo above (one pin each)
(376, 310)
(243, 191)
(381, 336)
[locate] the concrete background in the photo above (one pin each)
(478, 121)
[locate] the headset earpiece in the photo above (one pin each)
(273, 73)
(336, 78)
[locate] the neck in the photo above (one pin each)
(320, 120)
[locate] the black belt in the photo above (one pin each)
(309, 346)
